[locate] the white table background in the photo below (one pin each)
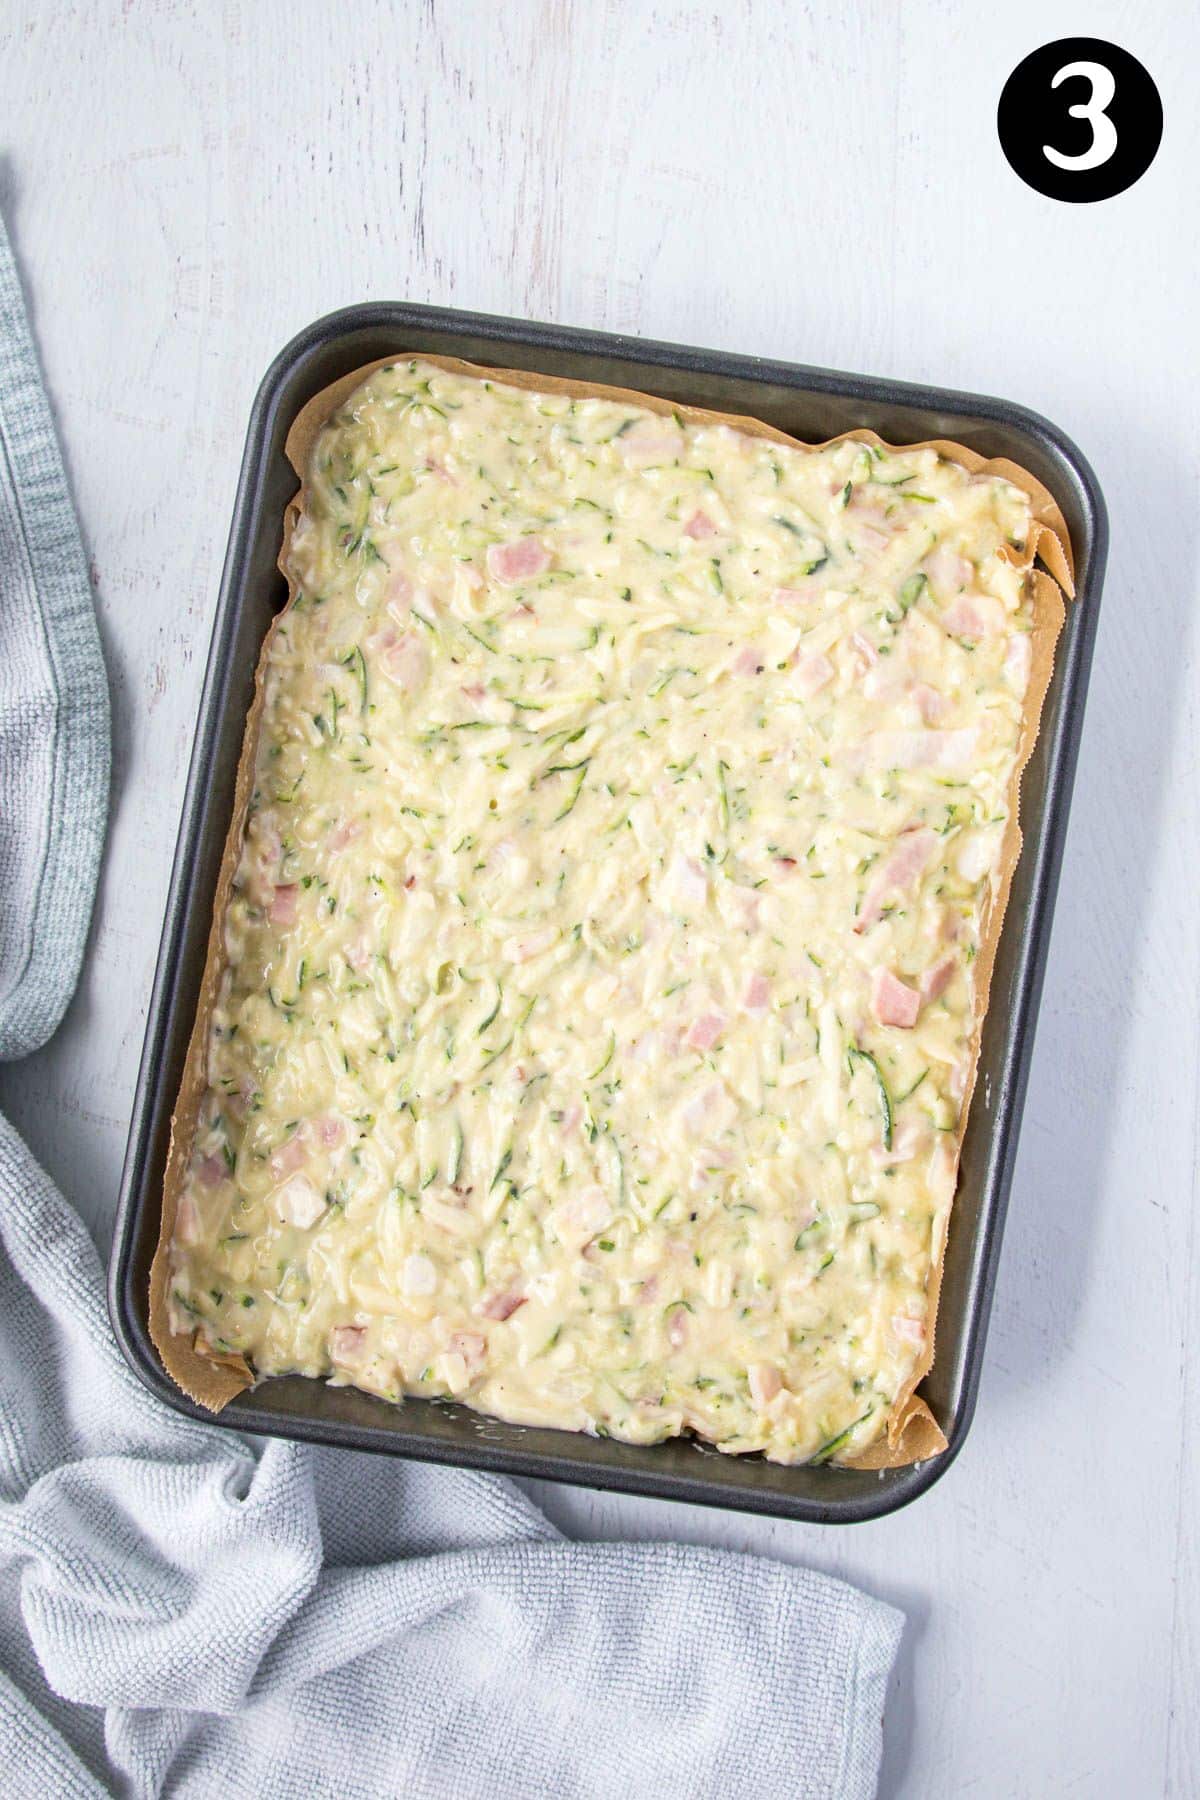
(188, 185)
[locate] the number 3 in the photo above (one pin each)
(1104, 132)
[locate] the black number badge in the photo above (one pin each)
(1080, 119)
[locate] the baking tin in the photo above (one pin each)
(811, 404)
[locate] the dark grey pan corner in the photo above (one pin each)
(809, 403)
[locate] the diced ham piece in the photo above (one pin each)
(882, 681)
(501, 1306)
(935, 981)
(647, 1048)
(909, 1331)
(571, 1118)
(930, 704)
(748, 662)
(677, 1327)
(813, 672)
(187, 1221)
(901, 869)
(345, 833)
(330, 1130)
(699, 526)
(917, 749)
(399, 596)
(358, 954)
(405, 661)
(578, 1220)
(419, 1274)
(954, 749)
(974, 616)
(709, 1160)
(298, 1203)
(709, 1111)
(651, 441)
(471, 1347)
(264, 847)
(921, 643)
(743, 903)
(518, 561)
(869, 537)
(212, 1171)
(795, 596)
(516, 865)
(892, 1002)
(943, 925)
(865, 653)
(948, 571)
(282, 910)
(290, 1156)
(347, 1342)
(447, 1209)
(523, 949)
(765, 1383)
(689, 880)
(1018, 661)
(705, 1031)
(906, 1141)
(756, 995)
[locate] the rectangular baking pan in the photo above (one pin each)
(810, 404)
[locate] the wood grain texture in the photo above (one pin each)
(188, 185)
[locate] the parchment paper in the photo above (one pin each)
(214, 1378)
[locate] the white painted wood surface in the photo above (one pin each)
(187, 185)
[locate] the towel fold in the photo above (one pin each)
(184, 1611)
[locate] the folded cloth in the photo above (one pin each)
(53, 705)
(184, 1611)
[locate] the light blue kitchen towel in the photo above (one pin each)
(183, 1612)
